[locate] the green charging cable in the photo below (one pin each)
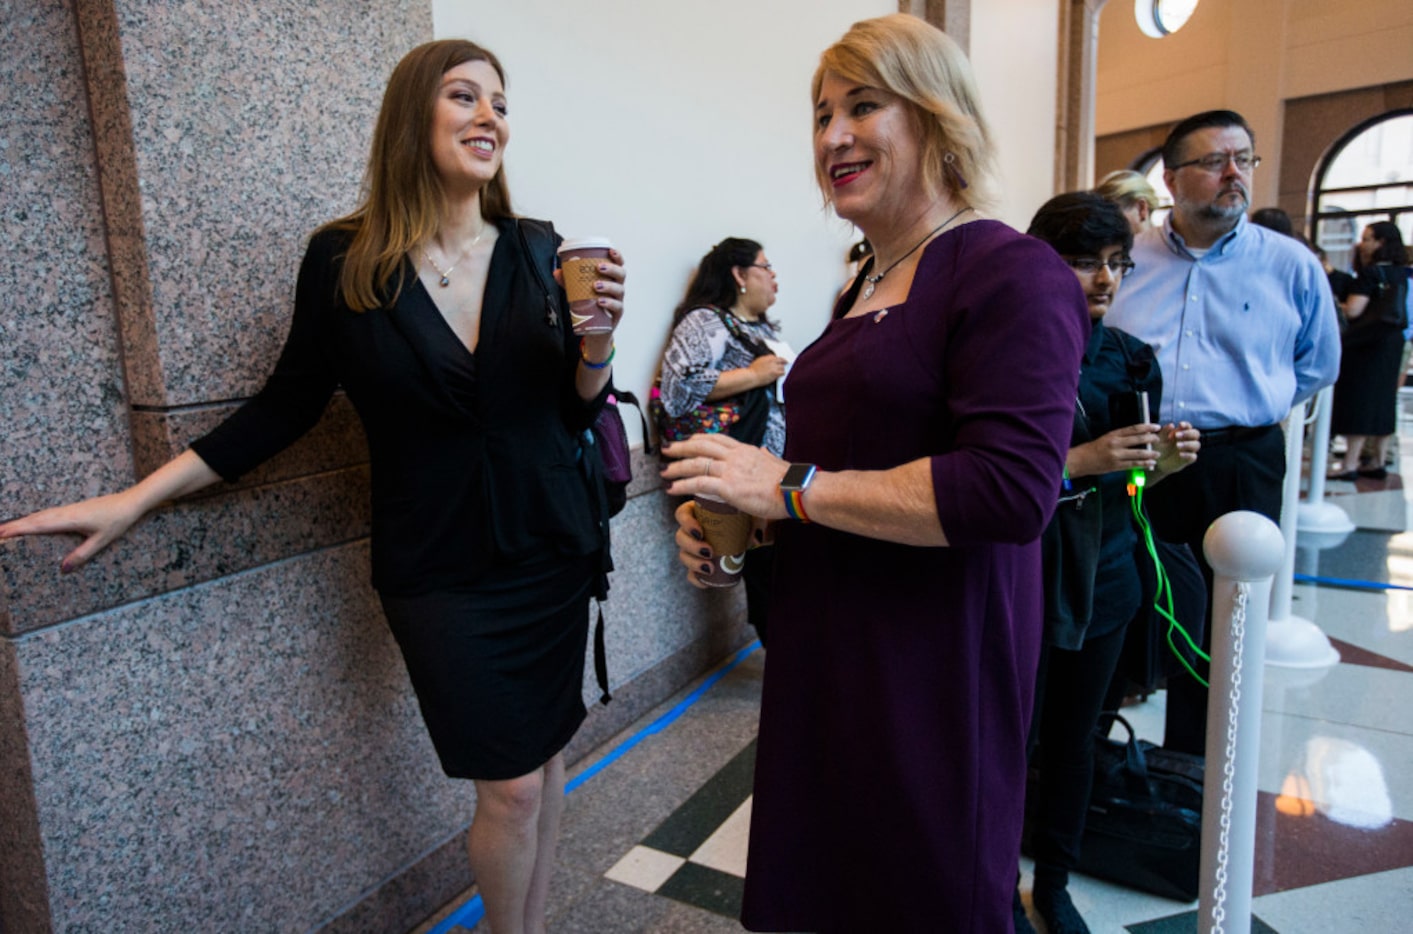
(1163, 597)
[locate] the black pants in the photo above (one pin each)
(1244, 469)
(1070, 689)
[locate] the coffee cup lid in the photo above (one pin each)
(585, 243)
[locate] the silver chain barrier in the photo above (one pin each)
(1238, 639)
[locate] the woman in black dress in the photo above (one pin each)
(1365, 396)
(487, 542)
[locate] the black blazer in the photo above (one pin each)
(475, 457)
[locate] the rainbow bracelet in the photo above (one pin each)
(795, 505)
(613, 349)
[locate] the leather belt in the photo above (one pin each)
(1234, 434)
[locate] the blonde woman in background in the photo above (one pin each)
(1134, 196)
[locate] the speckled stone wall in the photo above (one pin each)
(209, 727)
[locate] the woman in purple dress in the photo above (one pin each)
(925, 445)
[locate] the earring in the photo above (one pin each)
(949, 161)
(743, 290)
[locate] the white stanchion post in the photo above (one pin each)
(1293, 641)
(1317, 514)
(1244, 550)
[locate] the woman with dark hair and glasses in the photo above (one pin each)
(1365, 407)
(1091, 596)
(723, 350)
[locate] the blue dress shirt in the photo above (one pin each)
(1243, 332)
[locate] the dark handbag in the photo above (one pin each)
(1144, 826)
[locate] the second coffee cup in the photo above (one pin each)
(728, 531)
(579, 260)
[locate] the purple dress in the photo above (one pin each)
(891, 760)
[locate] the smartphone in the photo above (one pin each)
(1129, 408)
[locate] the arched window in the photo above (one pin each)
(1366, 176)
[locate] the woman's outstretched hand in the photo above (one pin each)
(104, 519)
(99, 521)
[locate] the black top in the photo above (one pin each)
(474, 455)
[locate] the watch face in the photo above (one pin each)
(797, 476)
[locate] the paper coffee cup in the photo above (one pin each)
(728, 531)
(579, 259)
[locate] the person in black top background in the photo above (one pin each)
(487, 540)
(1365, 408)
(1083, 643)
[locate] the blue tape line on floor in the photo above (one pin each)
(470, 914)
(1348, 582)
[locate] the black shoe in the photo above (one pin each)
(1019, 919)
(1373, 473)
(1057, 911)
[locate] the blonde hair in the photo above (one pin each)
(402, 195)
(921, 64)
(1125, 187)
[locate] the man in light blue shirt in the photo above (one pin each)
(1244, 326)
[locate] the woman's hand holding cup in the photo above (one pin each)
(592, 274)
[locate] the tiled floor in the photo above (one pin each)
(655, 840)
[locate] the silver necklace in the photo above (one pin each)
(875, 279)
(446, 273)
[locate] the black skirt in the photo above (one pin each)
(499, 668)
(1366, 394)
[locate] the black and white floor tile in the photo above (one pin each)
(656, 841)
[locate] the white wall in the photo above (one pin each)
(1014, 51)
(668, 126)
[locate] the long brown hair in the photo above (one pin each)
(402, 195)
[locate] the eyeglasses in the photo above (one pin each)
(1215, 162)
(766, 266)
(1089, 265)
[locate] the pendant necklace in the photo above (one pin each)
(875, 279)
(446, 274)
